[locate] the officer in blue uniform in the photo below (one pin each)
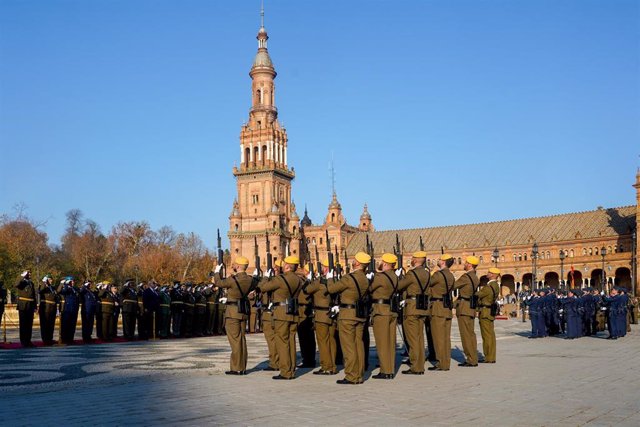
(570, 309)
(26, 307)
(69, 306)
(88, 306)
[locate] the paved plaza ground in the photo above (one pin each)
(543, 382)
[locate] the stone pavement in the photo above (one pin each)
(544, 382)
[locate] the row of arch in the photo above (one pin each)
(551, 279)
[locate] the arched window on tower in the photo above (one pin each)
(525, 256)
(256, 150)
(295, 229)
(333, 217)
(264, 154)
(247, 154)
(259, 97)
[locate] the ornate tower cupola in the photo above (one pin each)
(334, 216)
(263, 177)
(365, 220)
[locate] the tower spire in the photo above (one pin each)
(262, 14)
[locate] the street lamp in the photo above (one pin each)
(563, 255)
(603, 252)
(496, 254)
(634, 262)
(534, 260)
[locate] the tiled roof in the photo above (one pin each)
(564, 227)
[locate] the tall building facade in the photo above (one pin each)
(263, 209)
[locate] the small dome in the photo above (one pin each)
(365, 213)
(334, 203)
(262, 59)
(306, 221)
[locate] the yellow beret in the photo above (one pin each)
(325, 262)
(473, 260)
(106, 282)
(278, 263)
(242, 260)
(293, 260)
(419, 254)
(446, 257)
(363, 258)
(389, 258)
(494, 270)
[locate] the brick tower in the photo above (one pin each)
(263, 205)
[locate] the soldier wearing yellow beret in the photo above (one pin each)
(351, 287)
(325, 326)
(238, 287)
(285, 288)
(384, 320)
(440, 309)
(487, 297)
(416, 285)
(467, 284)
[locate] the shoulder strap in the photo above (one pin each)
(287, 283)
(418, 280)
(357, 286)
(493, 293)
(238, 285)
(446, 282)
(473, 285)
(395, 287)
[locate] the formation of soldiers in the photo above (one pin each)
(580, 312)
(338, 309)
(183, 310)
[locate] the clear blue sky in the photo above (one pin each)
(438, 112)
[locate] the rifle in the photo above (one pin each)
(256, 255)
(221, 256)
(421, 245)
(338, 265)
(318, 263)
(269, 257)
(398, 253)
(346, 261)
(330, 254)
(372, 263)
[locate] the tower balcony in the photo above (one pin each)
(268, 166)
(263, 108)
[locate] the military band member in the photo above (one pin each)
(285, 290)
(383, 318)
(200, 311)
(129, 309)
(306, 336)
(352, 288)
(238, 287)
(325, 326)
(189, 303)
(143, 333)
(467, 285)
(26, 292)
(266, 300)
(440, 306)
(210, 313)
(487, 297)
(48, 309)
(88, 305)
(150, 309)
(415, 283)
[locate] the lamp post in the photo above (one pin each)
(603, 252)
(495, 255)
(562, 257)
(534, 260)
(634, 261)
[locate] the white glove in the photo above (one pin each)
(223, 300)
(270, 306)
(561, 311)
(603, 309)
(399, 272)
(217, 269)
(335, 309)
(330, 275)
(370, 276)
(403, 303)
(601, 292)
(309, 277)
(256, 273)
(269, 273)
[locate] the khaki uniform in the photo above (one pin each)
(306, 335)
(350, 327)
(384, 320)
(415, 282)
(487, 296)
(441, 281)
(467, 285)
(324, 325)
(268, 328)
(237, 286)
(285, 325)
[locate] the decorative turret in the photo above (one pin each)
(306, 221)
(365, 220)
(334, 216)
